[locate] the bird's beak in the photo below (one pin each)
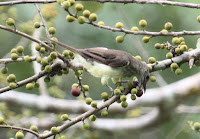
(144, 86)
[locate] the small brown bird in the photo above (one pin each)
(108, 63)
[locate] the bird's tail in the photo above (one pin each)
(66, 46)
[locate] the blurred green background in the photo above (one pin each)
(84, 36)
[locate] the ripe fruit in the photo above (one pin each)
(146, 39)
(104, 113)
(66, 4)
(29, 86)
(88, 100)
(10, 22)
(168, 26)
(54, 130)
(64, 117)
(36, 25)
(151, 60)
(81, 19)
(104, 95)
(4, 70)
(48, 68)
(169, 55)
(119, 25)
(117, 91)
(19, 135)
(119, 39)
(143, 23)
(20, 49)
(152, 78)
(139, 93)
(178, 71)
(93, 17)
(94, 104)
(92, 118)
(14, 56)
(75, 91)
(123, 97)
(52, 30)
(79, 7)
(86, 126)
(101, 23)
(70, 18)
(124, 104)
(34, 128)
(134, 29)
(86, 13)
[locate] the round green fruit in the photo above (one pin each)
(34, 128)
(13, 50)
(64, 117)
(178, 71)
(37, 47)
(86, 126)
(86, 13)
(143, 23)
(48, 68)
(151, 60)
(11, 78)
(104, 113)
(27, 59)
(124, 104)
(70, 18)
(134, 91)
(168, 26)
(174, 66)
(119, 25)
(52, 30)
(81, 19)
(1, 120)
(14, 56)
(54, 130)
(146, 39)
(134, 29)
(4, 70)
(88, 100)
(197, 126)
(169, 55)
(92, 118)
(119, 39)
(123, 98)
(20, 49)
(117, 91)
(93, 17)
(85, 87)
(36, 25)
(104, 95)
(94, 104)
(152, 78)
(44, 62)
(175, 41)
(29, 86)
(10, 22)
(101, 23)
(157, 46)
(66, 4)
(133, 97)
(12, 85)
(19, 135)
(79, 7)
(36, 85)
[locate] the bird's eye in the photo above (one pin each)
(147, 77)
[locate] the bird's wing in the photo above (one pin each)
(113, 58)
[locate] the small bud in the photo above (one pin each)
(54, 130)
(134, 29)
(93, 17)
(198, 18)
(146, 39)
(119, 39)
(19, 135)
(79, 7)
(86, 13)
(119, 25)
(168, 26)
(151, 60)
(143, 23)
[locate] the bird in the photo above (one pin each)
(111, 64)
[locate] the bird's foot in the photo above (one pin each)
(111, 89)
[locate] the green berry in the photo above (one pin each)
(164, 31)
(124, 104)
(175, 41)
(198, 18)
(47, 79)
(151, 60)
(157, 46)
(93, 17)
(184, 48)
(14, 50)
(66, 4)
(133, 97)
(169, 55)
(14, 56)
(119, 39)
(53, 55)
(48, 68)
(117, 91)
(178, 50)
(138, 58)
(1, 121)
(20, 49)
(178, 71)
(12, 85)
(174, 66)
(101, 23)
(134, 91)
(79, 7)
(197, 63)
(19, 135)
(121, 88)
(81, 19)
(44, 62)
(134, 29)
(39, 59)
(191, 49)
(52, 30)
(168, 26)
(146, 39)
(65, 71)
(152, 78)
(150, 68)
(143, 23)
(86, 13)
(42, 50)
(37, 47)
(11, 78)
(36, 25)
(34, 128)
(29, 86)
(46, 131)
(104, 113)
(104, 95)
(119, 25)
(10, 22)
(118, 101)
(4, 70)
(86, 126)
(64, 117)
(70, 18)
(72, 2)
(49, 59)
(88, 100)
(94, 104)
(74, 85)
(36, 85)
(85, 87)
(130, 84)
(92, 118)
(197, 126)
(123, 97)
(54, 130)
(27, 59)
